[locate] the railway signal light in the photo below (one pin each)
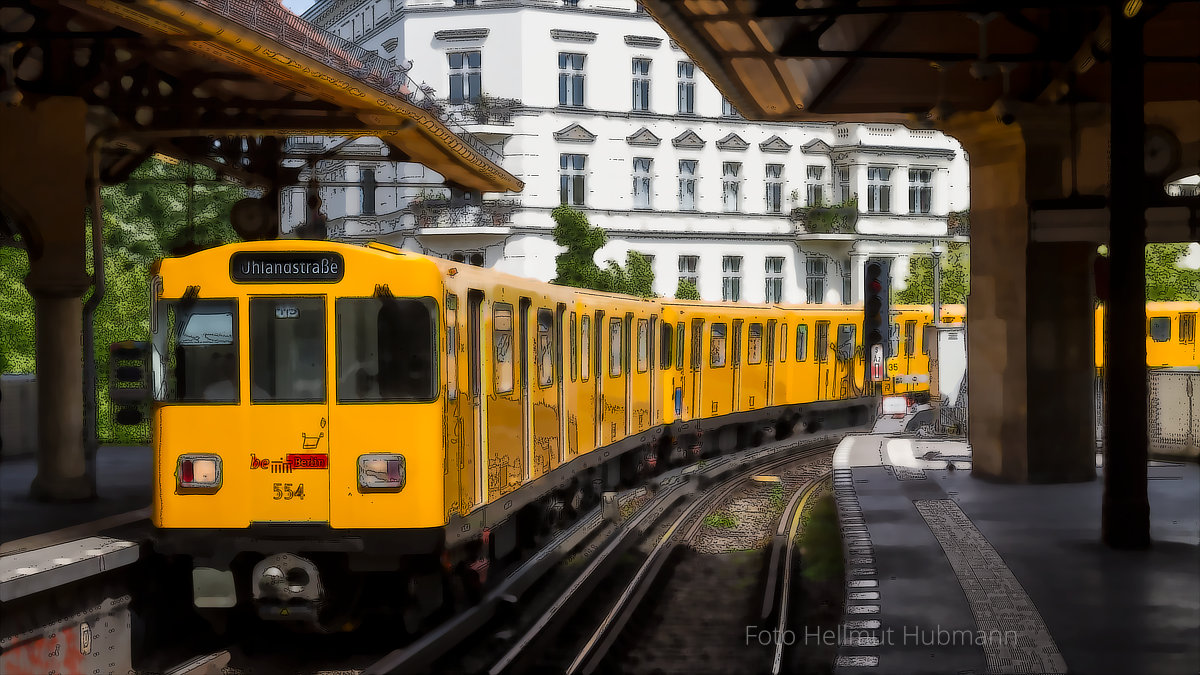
(876, 312)
(128, 383)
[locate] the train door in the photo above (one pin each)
(560, 382)
(735, 367)
(598, 373)
(770, 348)
(585, 418)
(478, 400)
(697, 364)
(627, 343)
(910, 350)
(289, 392)
(821, 358)
(654, 373)
(459, 439)
(523, 353)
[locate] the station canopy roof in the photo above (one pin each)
(900, 60)
(165, 75)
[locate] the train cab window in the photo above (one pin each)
(1160, 328)
(783, 337)
(287, 350)
(665, 349)
(452, 347)
(574, 348)
(386, 349)
(585, 348)
(717, 346)
(502, 346)
(643, 345)
(910, 337)
(545, 347)
(195, 357)
(614, 347)
(679, 333)
(845, 341)
(1187, 328)
(754, 344)
(821, 348)
(801, 342)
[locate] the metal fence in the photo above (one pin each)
(270, 19)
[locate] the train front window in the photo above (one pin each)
(287, 350)
(386, 349)
(195, 352)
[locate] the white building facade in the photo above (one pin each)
(592, 105)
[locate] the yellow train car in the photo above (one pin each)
(1170, 335)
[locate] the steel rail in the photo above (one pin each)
(785, 585)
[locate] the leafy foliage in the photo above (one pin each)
(839, 218)
(687, 291)
(821, 542)
(577, 265)
(1166, 279)
(145, 219)
(956, 277)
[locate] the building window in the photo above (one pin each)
(641, 84)
(774, 188)
(774, 276)
(731, 278)
(727, 109)
(731, 185)
(687, 87)
(843, 176)
(463, 3)
(815, 282)
(920, 190)
(687, 185)
(814, 185)
(570, 3)
(570, 79)
(571, 186)
(846, 282)
(879, 189)
(641, 182)
(465, 72)
(367, 184)
(688, 264)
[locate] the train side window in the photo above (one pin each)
(754, 344)
(585, 351)
(770, 347)
(614, 347)
(717, 346)
(1187, 328)
(910, 337)
(845, 341)
(502, 342)
(452, 347)
(643, 345)
(821, 348)
(926, 335)
(697, 342)
(665, 348)
(801, 342)
(574, 348)
(894, 338)
(679, 333)
(783, 337)
(545, 347)
(1160, 328)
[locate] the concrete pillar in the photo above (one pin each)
(1030, 309)
(43, 165)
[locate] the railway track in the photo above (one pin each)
(508, 630)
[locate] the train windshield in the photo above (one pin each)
(287, 350)
(195, 351)
(386, 350)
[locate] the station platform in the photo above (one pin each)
(124, 476)
(951, 574)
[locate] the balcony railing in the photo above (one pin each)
(487, 110)
(840, 219)
(958, 224)
(440, 213)
(270, 19)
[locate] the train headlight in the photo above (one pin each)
(199, 473)
(381, 473)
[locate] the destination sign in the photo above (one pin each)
(283, 267)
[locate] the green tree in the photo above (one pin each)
(687, 291)
(956, 277)
(16, 313)
(1166, 279)
(577, 266)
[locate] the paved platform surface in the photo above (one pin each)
(951, 574)
(123, 478)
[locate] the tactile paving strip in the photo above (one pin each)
(997, 599)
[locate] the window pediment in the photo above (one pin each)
(688, 140)
(643, 137)
(574, 133)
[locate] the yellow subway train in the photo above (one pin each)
(330, 418)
